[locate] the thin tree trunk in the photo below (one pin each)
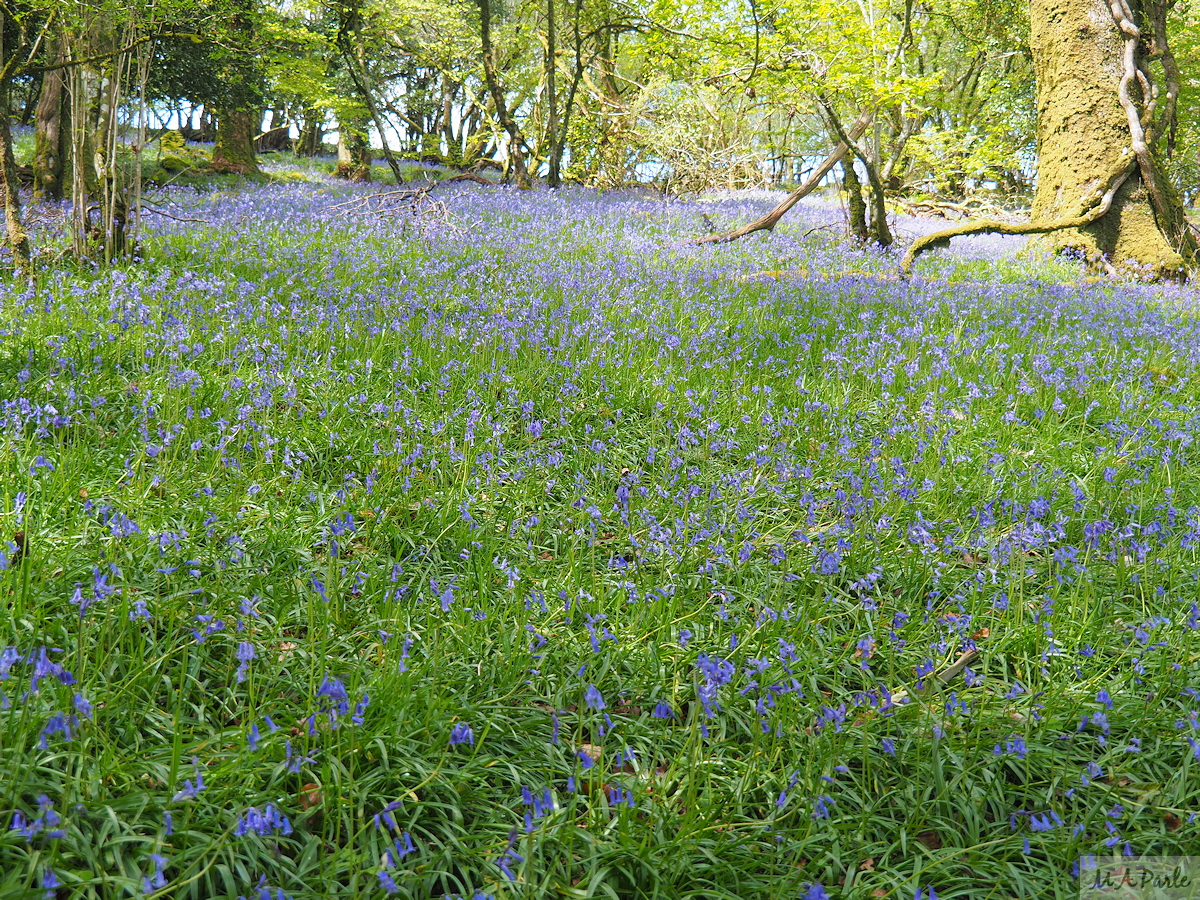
(560, 142)
(769, 221)
(453, 150)
(516, 141)
(18, 240)
(552, 176)
(878, 230)
(356, 66)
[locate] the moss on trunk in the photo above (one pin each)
(50, 146)
(857, 207)
(1084, 136)
(234, 148)
(354, 154)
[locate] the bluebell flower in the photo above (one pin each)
(388, 883)
(158, 880)
(461, 734)
(295, 760)
(269, 821)
(509, 857)
(191, 790)
(359, 708)
(50, 883)
(245, 653)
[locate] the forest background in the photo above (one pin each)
(688, 96)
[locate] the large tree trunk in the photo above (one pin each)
(354, 155)
(234, 149)
(1093, 122)
(50, 146)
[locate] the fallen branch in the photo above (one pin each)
(410, 195)
(146, 207)
(769, 221)
(994, 226)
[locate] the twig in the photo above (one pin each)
(407, 195)
(159, 212)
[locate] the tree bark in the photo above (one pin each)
(49, 136)
(1090, 61)
(553, 178)
(354, 155)
(234, 149)
(18, 240)
(516, 141)
(854, 201)
(878, 230)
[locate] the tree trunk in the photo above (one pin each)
(1091, 114)
(234, 150)
(18, 240)
(354, 155)
(33, 94)
(516, 141)
(878, 230)
(49, 137)
(854, 200)
(553, 178)
(453, 148)
(311, 134)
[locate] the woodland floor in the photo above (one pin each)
(516, 546)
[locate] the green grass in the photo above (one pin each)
(809, 463)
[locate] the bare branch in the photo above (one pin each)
(768, 222)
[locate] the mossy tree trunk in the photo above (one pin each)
(354, 154)
(1102, 111)
(856, 207)
(234, 148)
(50, 146)
(15, 233)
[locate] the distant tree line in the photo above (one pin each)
(601, 92)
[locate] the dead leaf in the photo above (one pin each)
(310, 795)
(1172, 821)
(867, 865)
(931, 839)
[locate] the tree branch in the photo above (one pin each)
(769, 221)
(993, 226)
